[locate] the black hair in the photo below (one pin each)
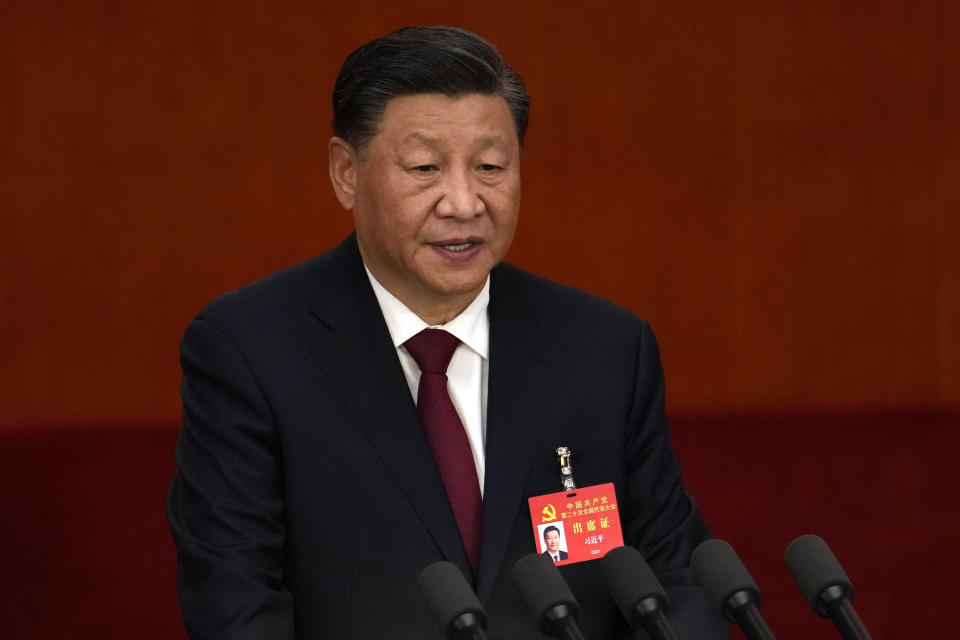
(438, 59)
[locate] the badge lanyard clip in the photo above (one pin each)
(565, 459)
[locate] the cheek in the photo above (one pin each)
(386, 214)
(505, 203)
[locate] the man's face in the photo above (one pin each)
(436, 200)
(553, 541)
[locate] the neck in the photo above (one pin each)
(436, 315)
(433, 308)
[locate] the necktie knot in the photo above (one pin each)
(432, 349)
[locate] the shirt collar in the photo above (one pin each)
(471, 327)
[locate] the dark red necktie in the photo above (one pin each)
(432, 349)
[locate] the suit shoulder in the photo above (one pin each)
(280, 288)
(288, 292)
(563, 301)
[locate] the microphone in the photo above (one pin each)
(547, 596)
(824, 584)
(452, 602)
(637, 592)
(727, 582)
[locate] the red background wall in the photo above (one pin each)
(774, 185)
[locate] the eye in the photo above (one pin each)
(489, 167)
(425, 168)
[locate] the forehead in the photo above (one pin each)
(433, 118)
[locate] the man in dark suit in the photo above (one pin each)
(551, 543)
(312, 486)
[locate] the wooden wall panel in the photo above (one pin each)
(773, 186)
(946, 233)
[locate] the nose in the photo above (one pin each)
(461, 197)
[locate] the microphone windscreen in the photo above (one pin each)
(720, 572)
(630, 580)
(448, 596)
(814, 568)
(542, 587)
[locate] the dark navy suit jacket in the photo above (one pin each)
(306, 500)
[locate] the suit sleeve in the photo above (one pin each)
(661, 519)
(225, 504)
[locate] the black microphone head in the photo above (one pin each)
(720, 572)
(542, 587)
(630, 580)
(448, 596)
(815, 569)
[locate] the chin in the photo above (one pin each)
(463, 285)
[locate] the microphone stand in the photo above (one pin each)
(842, 613)
(654, 620)
(467, 627)
(748, 616)
(563, 623)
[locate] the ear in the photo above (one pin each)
(343, 171)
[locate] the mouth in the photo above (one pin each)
(457, 245)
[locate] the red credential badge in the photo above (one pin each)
(578, 525)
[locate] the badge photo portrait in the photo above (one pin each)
(552, 540)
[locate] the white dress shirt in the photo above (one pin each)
(468, 369)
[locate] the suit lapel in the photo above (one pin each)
(359, 360)
(521, 375)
